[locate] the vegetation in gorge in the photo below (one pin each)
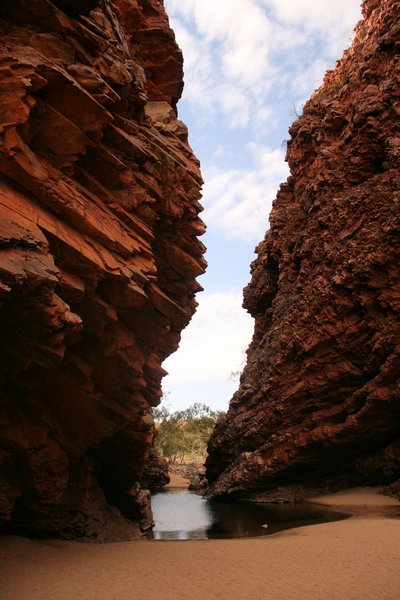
(182, 436)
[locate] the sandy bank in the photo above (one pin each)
(359, 499)
(347, 560)
(176, 482)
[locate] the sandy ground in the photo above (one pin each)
(359, 498)
(358, 558)
(176, 482)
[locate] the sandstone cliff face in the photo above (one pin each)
(318, 403)
(99, 203)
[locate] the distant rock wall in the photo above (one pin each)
(155, 475)
(319, 400)
(99, 203)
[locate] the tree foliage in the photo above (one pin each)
(183, 435)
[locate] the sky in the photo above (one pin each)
(249, 67)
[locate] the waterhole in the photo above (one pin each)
(183, 515)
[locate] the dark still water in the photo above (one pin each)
(183, 515)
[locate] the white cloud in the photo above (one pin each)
(238, 53)
(198, 67)
(219, 152)
(226, 55)
(238, 201)
(214, 343)
(234, 104)
(331, 20)
(310, 78)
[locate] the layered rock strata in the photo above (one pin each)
(318, 404)
(99, 203)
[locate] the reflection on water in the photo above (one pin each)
(183, 515)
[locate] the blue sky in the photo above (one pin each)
(249, 67)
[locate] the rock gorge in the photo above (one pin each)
(99, 226)
(318, 406)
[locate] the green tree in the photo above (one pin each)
(183, 435)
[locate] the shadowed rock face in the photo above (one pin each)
(318, 403)
(155, 474)
(99, 203)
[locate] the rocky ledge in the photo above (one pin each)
(318, 404)
(99, 203)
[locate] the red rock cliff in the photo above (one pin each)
(99, 203)
(318, 403)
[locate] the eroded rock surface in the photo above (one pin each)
(318, 404)
(99, 203)
(155, 474)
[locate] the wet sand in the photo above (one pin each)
(358, 558)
